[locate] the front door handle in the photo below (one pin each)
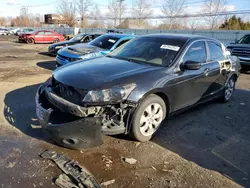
(206, 71)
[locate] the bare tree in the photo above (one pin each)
(2, 21)
(141, 10)
(68, 12)
(172, 8)
(83, 8)
(213, 7)
(96, 16)
(116, 10)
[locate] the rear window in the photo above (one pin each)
(216, 53)
(105, 42)
(48, 32)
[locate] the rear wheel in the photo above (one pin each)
(229, 89)
(30, 41)
(148, 117)
(56, 40)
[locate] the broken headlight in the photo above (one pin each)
(90, 55)
(114, 94)
(59, 47)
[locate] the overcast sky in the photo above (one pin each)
(12, 7)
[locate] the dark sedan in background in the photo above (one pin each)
(96, 48)
(80, 38)
(241, 49)
(134, 88)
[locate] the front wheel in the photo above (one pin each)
(30, 41)
(56, 40)
(229, 89)
(148, 117)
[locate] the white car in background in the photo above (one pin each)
(13, 30)
(4, 31)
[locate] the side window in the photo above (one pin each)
(121, 43)
(40, 33)
(196, 52)
(48, 33)
(91, 37)
(86, 39)
(216, 53)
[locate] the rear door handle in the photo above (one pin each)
(206, 71)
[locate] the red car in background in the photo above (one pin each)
(41, 36)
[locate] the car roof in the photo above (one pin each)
(117, 35)
(44, 30)
(183, 37)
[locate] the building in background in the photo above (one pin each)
(52, 19)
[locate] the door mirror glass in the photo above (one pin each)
(192, 65)
(235, 42)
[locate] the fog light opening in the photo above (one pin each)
(70, 141)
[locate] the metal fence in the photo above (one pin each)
(224, 36)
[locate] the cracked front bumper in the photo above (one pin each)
(65, 129)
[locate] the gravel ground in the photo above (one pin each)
(208, 146)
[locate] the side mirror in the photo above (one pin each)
(191, 65)
(235, 42)
(227, 53)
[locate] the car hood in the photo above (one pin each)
(80, 49)
(64, 43)
(239, 46)
(94, 73)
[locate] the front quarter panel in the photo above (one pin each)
(159, 80)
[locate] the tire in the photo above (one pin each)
(30, 41)
(144, 124)
(229, 89)
(56, 40)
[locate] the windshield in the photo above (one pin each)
(158, 51)
(28, 30)
(78, 37)
(245, 40)
(104, 41)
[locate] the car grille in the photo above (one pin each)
(241, 52)
(68, 93)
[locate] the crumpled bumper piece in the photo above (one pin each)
(75, 133)
(69, 107)
(75, 175)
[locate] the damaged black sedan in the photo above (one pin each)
(134, 88)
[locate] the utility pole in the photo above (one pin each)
(120, 14)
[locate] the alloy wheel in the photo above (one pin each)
(151, 118)
(229, 89)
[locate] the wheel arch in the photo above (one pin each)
(235, 76)
(31, 38)
(161, 94)
(157, 92)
